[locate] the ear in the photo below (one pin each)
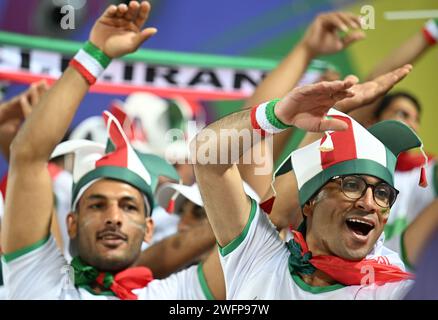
(308, 208)
(72, 224)
(149, 230)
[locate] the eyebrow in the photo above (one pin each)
(103, 197)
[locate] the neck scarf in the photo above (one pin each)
(121, 284)
(343, 271)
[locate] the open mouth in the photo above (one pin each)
(360, 227)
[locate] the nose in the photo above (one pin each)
(366, 202)
(113, 215)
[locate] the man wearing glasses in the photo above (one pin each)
(345, 189)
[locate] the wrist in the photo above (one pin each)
(430, 31)
(307, 50)
(265, 120)
(90, 62)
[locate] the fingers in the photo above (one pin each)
(144, 35)
(122, 9)
(391, 78)
(110, 12)
(343, 21)
(26, 107)
(132, 12)
(143, 14)
(353, 37)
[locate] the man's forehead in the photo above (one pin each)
(109, 188)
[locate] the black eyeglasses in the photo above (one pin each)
(354, 187)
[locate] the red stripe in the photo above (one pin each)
(119, 157)
(343, 143)
(254, 123)
(83, 71)
(428, 37)
(126, 89)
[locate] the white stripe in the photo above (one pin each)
(89, 63)
(432, 28)
(263, 121)
(306, 162)
(134, 162)
(135, 165)
(411, 14)
(368, 146)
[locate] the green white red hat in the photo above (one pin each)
(353, 151)
(118, 160)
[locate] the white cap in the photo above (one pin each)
(166, 191)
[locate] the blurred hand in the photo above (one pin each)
(306, 107)
(14, 111)
(119, 30)
(368, 92)
(322, 36)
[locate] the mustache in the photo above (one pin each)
(112, 232)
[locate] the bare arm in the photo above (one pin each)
(173, 253)
(225, 202)
(286, 207)
(29, 200)
(407, 53)
(14, 111)
(214, 275)
(321, 38)
(419, 232)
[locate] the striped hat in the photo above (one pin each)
(118, 160)
(353, 151)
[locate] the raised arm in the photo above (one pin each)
(14, 111)
(407, 53)
(322, 37)
(220, 183)
(286, 207)
(29, 193)
(419, 232)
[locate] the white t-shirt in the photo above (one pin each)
(255, 266)
(411, 200)
(42, 272)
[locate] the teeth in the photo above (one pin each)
(360, 221)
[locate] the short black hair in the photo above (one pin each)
(387, 99)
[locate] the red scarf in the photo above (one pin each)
(121, 284)
(343, 271)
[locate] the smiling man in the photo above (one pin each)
(346, 190)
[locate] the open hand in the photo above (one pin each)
(322, 36)
(14, 111)
(306, 107)
(368, 92)
(119, 30)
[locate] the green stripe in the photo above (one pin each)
(356, 166)
(149, 56)
(272, 118)
(315, 290)
(97, 54)
(117, 173)
(396, 228)
(204, 285)
(403, 254)
(8, 257)
(239, 239)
